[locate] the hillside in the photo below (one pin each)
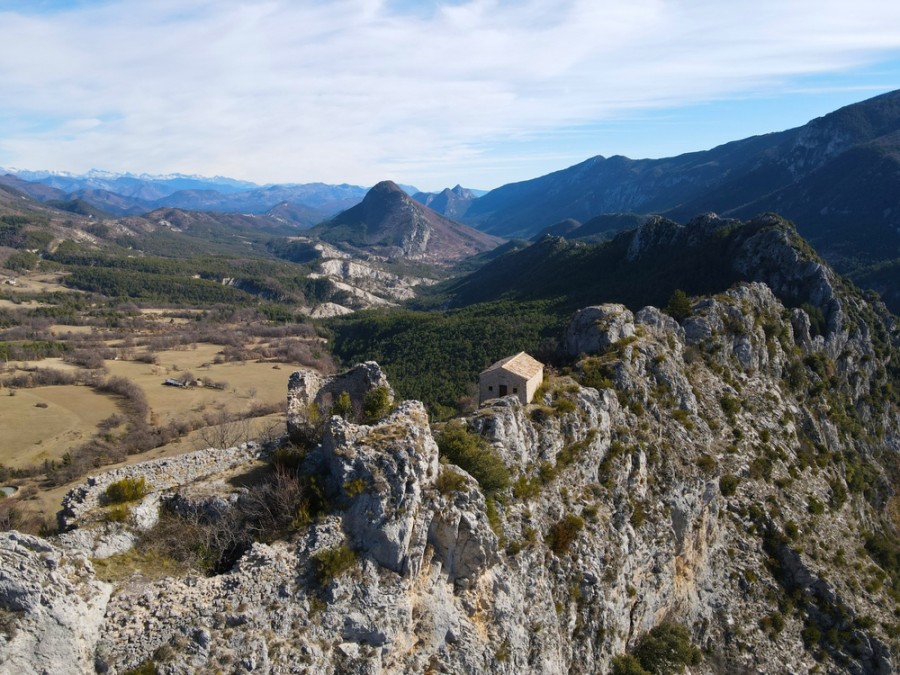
(520, 300)
(836, 177)
(716, 491)
(389, 223)
(638, 267)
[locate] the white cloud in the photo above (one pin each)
(357, 90)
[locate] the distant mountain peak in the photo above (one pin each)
(385, 187)
(390, 223)
(450, 202)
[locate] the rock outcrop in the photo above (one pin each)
(723, 473)
(311, 397)
(52, 607)
(594, 329)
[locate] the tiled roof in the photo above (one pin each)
(521, 364)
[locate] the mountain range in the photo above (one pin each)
(837, 178)
(299, 205)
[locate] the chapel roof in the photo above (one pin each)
(520, 364)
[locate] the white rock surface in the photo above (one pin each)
(57, 604)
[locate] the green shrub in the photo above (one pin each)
(707, 463)
(343, 406)
(761, 467)
(126, 490)
(593, 372)
(472, 453)
(639, 514)
(354, 487)
(679, 305)
(147, 667)
(730, 405)
(626, 664)
(791, 529)
(21, 261)
(815, 507)
(838, 494)
(527, 488)
(666, 649)
(563, 533)
(728, 484)
(563, 406)
(118, 513)
(330, 563)
(817, 323)
(449, 481)
(772, 624)
(377, 404)
(811, 636)
(681, 416)
(288, 458)
(493, 516)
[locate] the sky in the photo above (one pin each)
(427, 93)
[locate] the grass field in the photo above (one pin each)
(38, 283)
(54, 364)
(44, 423)
(247, 383)
(31, 433)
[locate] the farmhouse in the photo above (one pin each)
(518, 375)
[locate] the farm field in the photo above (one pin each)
(43, 423)
(246, 383)
(236, 409)
(37, 283)
(82, 374)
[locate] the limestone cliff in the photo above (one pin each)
(731, 472)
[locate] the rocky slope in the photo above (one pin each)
(733, 472)
(390, 223)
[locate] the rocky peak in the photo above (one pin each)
(390, 223)
(725, 473)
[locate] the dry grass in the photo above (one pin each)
(247, 383)
(41, 282)
(62, 331)
(54, 364)
(30, 433)
(149, 564)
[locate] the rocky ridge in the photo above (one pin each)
(725, 472)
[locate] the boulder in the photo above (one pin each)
(594, 329)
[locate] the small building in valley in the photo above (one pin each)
(518, 375)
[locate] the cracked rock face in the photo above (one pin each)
(56, 604)
(706, 480)
(380, 473)
(309, 391)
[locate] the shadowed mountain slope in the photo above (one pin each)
(837, 178)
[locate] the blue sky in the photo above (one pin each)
(429, 93)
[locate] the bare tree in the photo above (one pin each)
(224, 430)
